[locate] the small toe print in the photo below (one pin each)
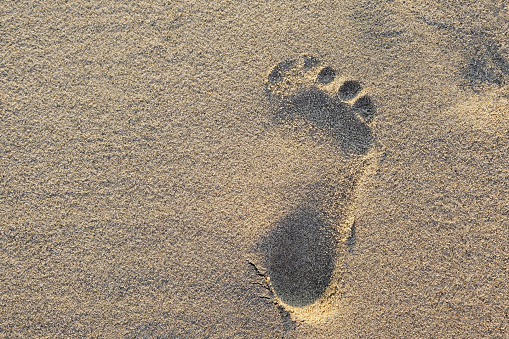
(326, 75)
(365, 108)
(277, 74)
(349, 90)
(310, 62)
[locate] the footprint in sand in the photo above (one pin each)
(303, 88)
(301, 251)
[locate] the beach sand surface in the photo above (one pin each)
(166, 173)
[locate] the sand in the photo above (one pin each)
(173, 169)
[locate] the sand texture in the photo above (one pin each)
(254, 169)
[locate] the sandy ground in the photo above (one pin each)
(164, 173)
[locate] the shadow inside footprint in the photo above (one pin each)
(300, 256)
(295, 94)
(317, 107)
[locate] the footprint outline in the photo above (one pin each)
(303, 88)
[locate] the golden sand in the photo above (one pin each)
(219, 169)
